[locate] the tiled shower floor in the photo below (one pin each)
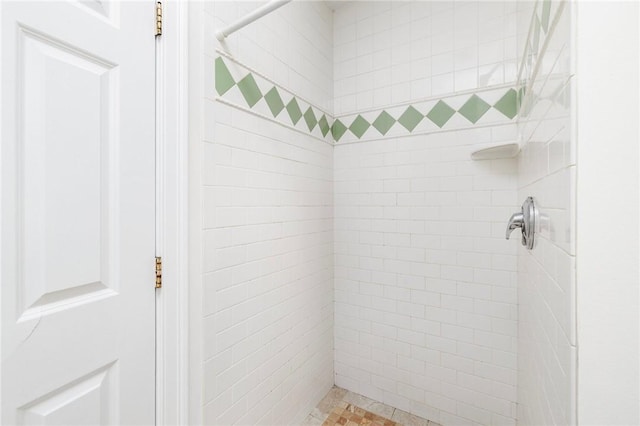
(338, 397)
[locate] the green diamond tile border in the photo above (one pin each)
(474, 109)
(384, 122)
(546, 13)
(250, 90)
(224, 80)
(508, 103)
(410, 118)
(335, 129)
(294, 111)
(521, 94)
(359, 126)
(324, 125)
(318, 123)
(274, 101)
(440, 113)
(536, 34)
(310, 119)
(338, 130)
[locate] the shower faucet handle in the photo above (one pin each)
(525, 220)
(516, 221)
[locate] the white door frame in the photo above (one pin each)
(172, 300)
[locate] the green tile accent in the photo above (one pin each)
(250, 90)
(294, 111)
(359, 126)
(521, 93)
(441, 113)
(536, 35)
(508, 104)
(474, 109)
(546, 12)
(324, 125)
(224, 80)
(274, 101)
(310, 118)
(384, 122)
(338, 129)
(410, 118)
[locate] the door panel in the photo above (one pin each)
(89, 400)
(77, 220)
(67, 99)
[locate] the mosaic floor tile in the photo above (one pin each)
(369, 404)
(408, 419)
(345, 408)
(346, 414)
(334, 397)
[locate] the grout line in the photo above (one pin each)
(429, 132)
(258, 73)
(475, 91)
(264, 117)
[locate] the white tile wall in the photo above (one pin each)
(293, 45)
(392, 52)
(267, 195)
(425, 287)
(268, 265)
(546, 275)
(425, 295)
(425, 284)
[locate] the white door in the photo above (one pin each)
(77, 212)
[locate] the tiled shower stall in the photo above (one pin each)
(347, 236)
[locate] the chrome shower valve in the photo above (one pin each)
(526, 221)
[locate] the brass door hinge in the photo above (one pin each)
(158, 272)
(159, 18)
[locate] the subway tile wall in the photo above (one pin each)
(293, 45)
(391, 52)
(425, 285)
(547, 171)
(267, 194)
(426, 315)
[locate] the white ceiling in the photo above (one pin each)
(336, 4)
